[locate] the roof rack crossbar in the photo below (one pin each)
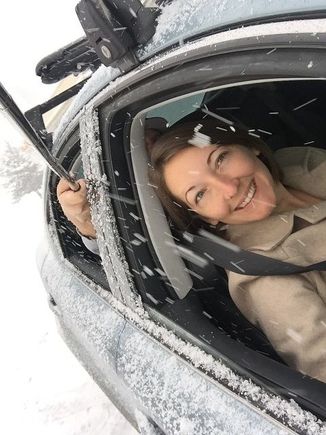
(62, 97)
(113, 30)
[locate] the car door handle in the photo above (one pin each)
(53, 306)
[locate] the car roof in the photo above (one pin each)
(182, 20)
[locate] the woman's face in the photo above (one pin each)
(222, 183)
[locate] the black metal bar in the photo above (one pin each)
(35, 118)
(35, 114)
(15, 113)
(62, 97)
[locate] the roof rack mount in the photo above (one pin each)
(113, 31)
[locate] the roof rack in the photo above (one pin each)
(114, 29)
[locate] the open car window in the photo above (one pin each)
(283, 114)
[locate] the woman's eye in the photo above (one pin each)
(220, 159)
(199, 196)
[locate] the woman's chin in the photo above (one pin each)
(262, 213)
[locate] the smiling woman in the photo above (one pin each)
(231, 180)
(217, 180)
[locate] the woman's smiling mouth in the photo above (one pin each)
(251, 193)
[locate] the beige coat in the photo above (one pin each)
(290, 310)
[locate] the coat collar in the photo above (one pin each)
(268, 233)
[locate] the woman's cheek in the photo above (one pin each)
(219, 211)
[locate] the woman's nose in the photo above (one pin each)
(226, 185)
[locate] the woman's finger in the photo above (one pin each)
(64, 186)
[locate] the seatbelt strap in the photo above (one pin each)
(231, 257)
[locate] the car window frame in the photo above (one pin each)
(67, 152)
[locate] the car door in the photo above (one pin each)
(267, 55)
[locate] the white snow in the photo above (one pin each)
(44, 389)
(113, 259)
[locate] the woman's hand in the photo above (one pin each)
(76, 207)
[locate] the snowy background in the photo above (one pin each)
(44, 389)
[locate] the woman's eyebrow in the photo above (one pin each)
(190, 188)
(210, 155)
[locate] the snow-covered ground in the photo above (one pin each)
(44, 390)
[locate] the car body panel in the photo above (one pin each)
(88, 324)
(180, 399)
(122, 351)
(81, 310)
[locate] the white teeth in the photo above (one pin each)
(250, 195)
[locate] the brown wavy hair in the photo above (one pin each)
(176, 139)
